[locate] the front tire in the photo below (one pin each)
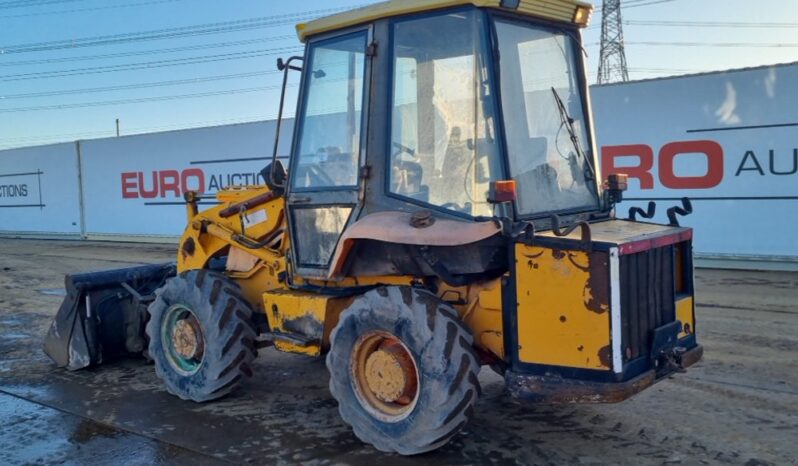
(403, 370)
(201, 335)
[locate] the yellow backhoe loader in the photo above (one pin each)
(443, 211)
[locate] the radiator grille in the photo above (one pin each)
(647, 298)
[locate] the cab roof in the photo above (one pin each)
(569, 11)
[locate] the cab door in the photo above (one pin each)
(328, 149)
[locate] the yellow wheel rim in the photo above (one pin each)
(385, 376)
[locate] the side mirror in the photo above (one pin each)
(274, 175)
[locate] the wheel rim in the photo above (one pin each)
(385, 375)
(182, 339)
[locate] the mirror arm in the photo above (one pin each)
(285, 67)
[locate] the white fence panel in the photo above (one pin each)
(39, 190)
(728, 141)
(134, 185)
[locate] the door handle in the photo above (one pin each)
(299, 200)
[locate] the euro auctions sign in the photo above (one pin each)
(769, 164)
(134, 186)
(728, 141)
(172, 184)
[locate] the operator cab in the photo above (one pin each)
(406, 112)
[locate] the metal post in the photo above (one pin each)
(81, 192)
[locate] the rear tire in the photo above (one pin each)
(223, 348)
(428, 414)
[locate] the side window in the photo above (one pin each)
(318, 230)
(443, 149)
(330, 121)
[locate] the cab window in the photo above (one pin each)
(331, 118)
(443, 148)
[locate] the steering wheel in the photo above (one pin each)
(402, 148)
(314, 170)
(457, 207)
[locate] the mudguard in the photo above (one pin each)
(103, 315)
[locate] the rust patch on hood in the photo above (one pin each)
(597, 288)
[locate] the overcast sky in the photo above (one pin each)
(69, 68)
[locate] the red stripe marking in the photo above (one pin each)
(658, 242)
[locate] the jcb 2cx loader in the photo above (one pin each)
(443, 211)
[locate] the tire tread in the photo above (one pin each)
(229, 334)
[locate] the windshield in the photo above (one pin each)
(443, 146)
(538, 67)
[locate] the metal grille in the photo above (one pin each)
(647, 298)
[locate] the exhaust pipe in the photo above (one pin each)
(104, 315)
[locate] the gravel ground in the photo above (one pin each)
(738, 406)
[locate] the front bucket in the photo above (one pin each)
(103, 315)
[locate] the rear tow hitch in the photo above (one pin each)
(666, 354)
(671, 361)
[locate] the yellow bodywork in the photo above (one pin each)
(684, 314)
(570, 11)
(262, 272)
(209, 235)
(308, 315)
(480, 307)
(200, 243)
(562, 304)
(563, 318)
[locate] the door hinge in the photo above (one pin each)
(371, 50)
(365, 172)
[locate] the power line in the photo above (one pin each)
(171, 33)
(30, 3)
(638, 3)
(168, 33)
(125, 87)
(635, 3)
(138, 100)
(717, 24)
(146, 52)
(196, 124)
(48, 137)
(715, 44)
(665, 70)
(78, 10)
(646, 3)
(629, 4)
(145, 65)
(8, 143)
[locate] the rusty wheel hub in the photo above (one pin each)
(182, 339)
(385, 375)
(187, 338)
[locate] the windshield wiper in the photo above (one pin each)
(568, 122)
